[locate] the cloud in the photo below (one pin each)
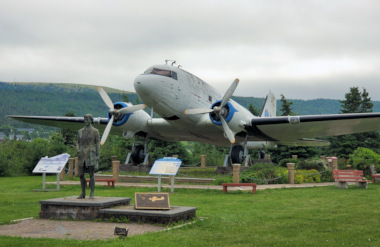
(295, 47)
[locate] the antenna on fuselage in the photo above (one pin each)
(173, 62)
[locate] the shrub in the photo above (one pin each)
(227, 179)
(311, 164)
(13, 157)
(285, 161)
(267, 175)
(362, 158)
(327, 176)
(307, 176)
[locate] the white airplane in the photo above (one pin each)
(192, 110)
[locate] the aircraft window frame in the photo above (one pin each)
(162, 72)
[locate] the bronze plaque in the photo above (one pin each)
(152, 201)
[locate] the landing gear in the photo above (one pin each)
(237, 154)
(139, 154)
(262, 154)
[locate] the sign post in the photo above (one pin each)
(51, 165)
(168, 166)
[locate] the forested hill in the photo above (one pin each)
(58, 99)
(44, 99)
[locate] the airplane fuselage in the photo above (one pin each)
(169, 91)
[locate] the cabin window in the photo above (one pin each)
(162, 72)
(209, 98)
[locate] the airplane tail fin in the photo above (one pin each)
(269, 108)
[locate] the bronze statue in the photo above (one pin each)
(88, 148)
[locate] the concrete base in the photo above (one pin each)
(362, 185)
(341, 185)
(78, 209)
(174, 214)
(344, 185)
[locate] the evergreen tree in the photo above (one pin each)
(353, 101)
(367, 105)
(253, 109)
(286, 106)
(342, 146)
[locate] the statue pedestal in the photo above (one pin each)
(110, 208)
(79, 209)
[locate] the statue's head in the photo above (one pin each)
(88, 119)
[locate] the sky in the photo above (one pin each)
(299, 48)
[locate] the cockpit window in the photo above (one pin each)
(162, 72)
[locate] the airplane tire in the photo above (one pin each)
(237, 154)
(138, 154)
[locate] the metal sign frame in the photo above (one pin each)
(168, 166)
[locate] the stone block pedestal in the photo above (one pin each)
(78, 209)
(174, 214)
(110, 208)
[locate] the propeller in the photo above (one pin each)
(115, 112)
(218, 110)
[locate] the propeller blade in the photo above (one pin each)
(227, 130)
(105, 97)
(106, 131)
(198, 111)
(131, 109)
(229, 92)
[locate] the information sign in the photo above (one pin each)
(51, 165)
(166, 166)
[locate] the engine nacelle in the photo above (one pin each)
(235, 115)
(119, 119)
(130, 123)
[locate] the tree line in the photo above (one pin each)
(20, 157)
(348, 148)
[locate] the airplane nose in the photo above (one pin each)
(143, 85)
(138, 84)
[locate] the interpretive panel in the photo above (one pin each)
(166, 166)
(152, 201)
(51, 165)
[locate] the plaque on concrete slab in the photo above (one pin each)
(151, 216)
(152, 201)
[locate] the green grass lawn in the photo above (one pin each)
(324, 216)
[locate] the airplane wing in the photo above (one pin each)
(157, 128)
(290, 129)
(73, 123)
